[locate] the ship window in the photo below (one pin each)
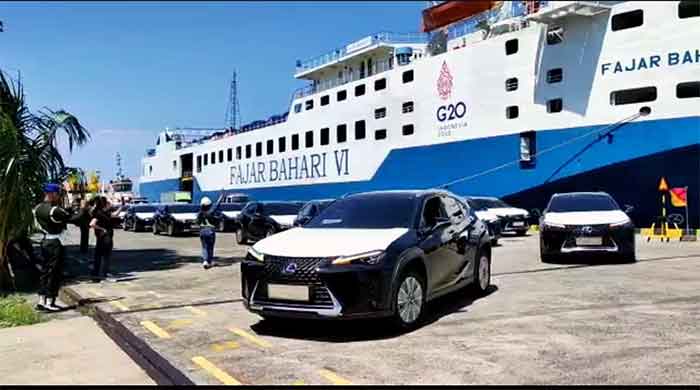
(258, 149)
(528, 149)
(630, 96)
(360, 130)
(688, 9)
(407, 129)
(380, 113)
(150, 170)
(511, 46)
(297, 108)
(511, 84)
(270, 146)
(325, 99)
(555, 35)
(325, 136)
(555, 105)
(282, 144)
(199, 163)
(342, 95)
(360, 90)
(221, 156)
(295, 142)
(213, 158)
(407, 107)
(248, 151)
(407, 76)
(206, 159)
(555, 75)
(379, 84)
(309, 139)
(627, 20)
(174, 165)
(688, 90)
(342, 133)
(512, 112)
(309, 105)
(239, 155)
(229, 154)
(380, 134)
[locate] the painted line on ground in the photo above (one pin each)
(95, 292)
(253, 339)
(181, 323)
(298, 383)
(215, 371)
(224, 346)
(196, 311)
(155, 329)
(119, 305)
(155, 294)
(333, 377)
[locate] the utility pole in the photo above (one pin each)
(233, 113)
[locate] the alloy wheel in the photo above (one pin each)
(410, 300)
(484, 272)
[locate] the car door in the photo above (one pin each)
(257, 224)
(435, 241)
(458, 236)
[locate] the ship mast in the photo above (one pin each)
(233, 114)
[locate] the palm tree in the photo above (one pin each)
(29, 157)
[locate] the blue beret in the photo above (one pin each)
(52, 187)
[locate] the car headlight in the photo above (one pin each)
(370, 258)
(620, 224)
(552, 225)
(255, 255)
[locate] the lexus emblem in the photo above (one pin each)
(290, 268)
(587, 230)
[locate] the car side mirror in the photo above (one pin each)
(628, 209)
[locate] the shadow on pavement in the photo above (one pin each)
(342, 331)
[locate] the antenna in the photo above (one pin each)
(233, 114)
(120, 173)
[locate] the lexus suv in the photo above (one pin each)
(513, 219)
(258, 220)
(373, 254)
(589, 223)
(175, 218)
(139, 217)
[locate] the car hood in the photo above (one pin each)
(287, 220)
(144, 215)
(184, 216)
(231, 214)
(486, 215)
(508, 211)
(586, 217)
(304, 242)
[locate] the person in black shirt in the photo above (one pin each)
(207, 233)
(101, 223)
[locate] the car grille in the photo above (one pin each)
(305, 271)
(601, 230)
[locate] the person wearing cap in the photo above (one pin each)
(51, 219)
(207, 233)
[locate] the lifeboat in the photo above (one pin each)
(451, 11)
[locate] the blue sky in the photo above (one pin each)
(127, 70)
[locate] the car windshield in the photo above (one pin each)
(367, 212)
(183, 208)
(281, 208)
(485, 203)
(588, 202)
(144, 209)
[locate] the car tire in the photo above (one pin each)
(222, 226)
(482, 273)
(135, 227)
(171, 229)
(241, 236)
(494, 241)
(406, 301)
(629, 257)
(155, 228)
(521, 233)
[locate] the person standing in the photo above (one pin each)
(84, 213)
(51, 219)
(101, 223)
(207, 233)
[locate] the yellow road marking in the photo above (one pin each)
(155, 294)
(209, 367)
(253, 339)
(333, 377)
(224, 346)
(119, 305)
(298, 383)
(155, 329)
(196, 311)
(179, 323)
(95, 292)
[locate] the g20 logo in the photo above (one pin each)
(451, 111)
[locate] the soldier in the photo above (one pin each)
(51, 218)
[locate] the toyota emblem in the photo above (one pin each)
(290, 268)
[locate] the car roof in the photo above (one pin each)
(573, 194)
(415, 193)
(482, 197)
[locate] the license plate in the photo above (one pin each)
(519, 223)
(588, 241)
(285, 291)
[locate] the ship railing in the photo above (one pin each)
(338, 53)
(379, 66)
(517, 9)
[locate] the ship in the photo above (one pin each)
(513, 99)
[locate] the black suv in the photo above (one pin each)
(227, 214)
(310, 210)
(258, 220)
(371, 254)
(175, 218)
(139, 217)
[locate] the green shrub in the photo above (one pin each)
(16, 311)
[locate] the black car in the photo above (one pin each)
(175, 218)
(492, 220)
(585, 223)
(258, 220)
(139, 217)
(310, 210)
(227, 214)
(374, 254)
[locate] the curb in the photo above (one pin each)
(155, 365)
